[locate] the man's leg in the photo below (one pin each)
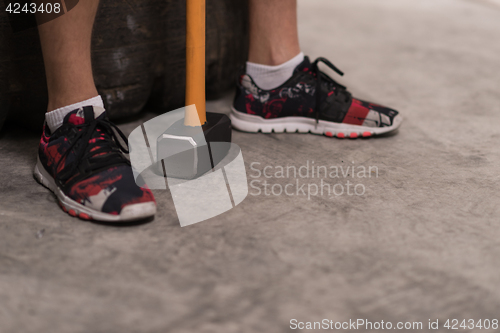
(273, 31)
(274, 42)
(281, 93)
(66, 52)
(82, 163)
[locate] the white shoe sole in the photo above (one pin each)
(251, 123)
(129, 213)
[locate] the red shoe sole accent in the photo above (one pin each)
(367, 134)
(329, 134)
(72, 212)
(84, 216)
(340, 135)
(353, 135)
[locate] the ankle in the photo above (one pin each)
(272, 57)
(61, 100)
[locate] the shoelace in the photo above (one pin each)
(339, 90)
(97, 144)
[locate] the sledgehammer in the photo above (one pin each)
(185, 147)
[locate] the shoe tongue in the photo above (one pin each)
(304, 65)
(83, 115)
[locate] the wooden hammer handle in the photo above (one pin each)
(195, 60)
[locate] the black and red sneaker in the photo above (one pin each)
(83, 164)
(310, 101)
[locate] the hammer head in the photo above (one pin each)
(185, 152)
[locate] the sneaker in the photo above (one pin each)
(310, 101)
(83, 164)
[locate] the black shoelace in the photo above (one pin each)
(104, 151)
(321, 78)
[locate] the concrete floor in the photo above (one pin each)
(421, 243)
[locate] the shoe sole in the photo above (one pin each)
(253, 124)
(129, 213)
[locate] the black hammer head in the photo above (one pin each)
(185, 152)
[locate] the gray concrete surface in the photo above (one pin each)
(421, 243)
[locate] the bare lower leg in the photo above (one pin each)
(273, 31)
(66, 53)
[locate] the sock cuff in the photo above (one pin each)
(269, 77)
(266, 68)
(55, 118)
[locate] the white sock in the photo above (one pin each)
(55, 118)
(270, 77)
